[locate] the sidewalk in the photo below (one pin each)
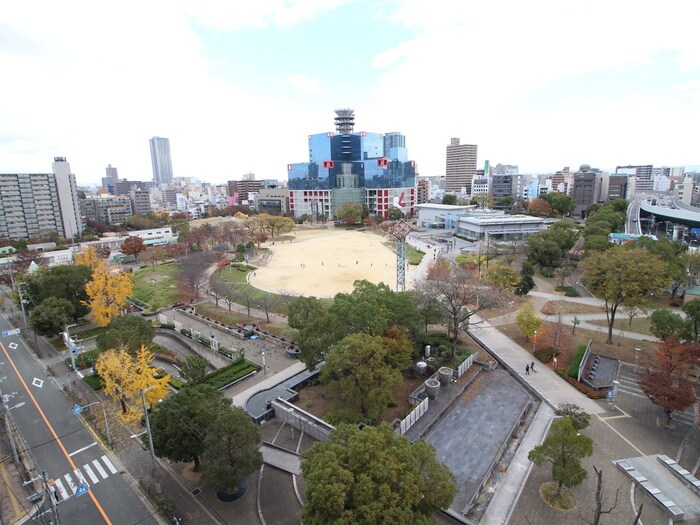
(548, 385)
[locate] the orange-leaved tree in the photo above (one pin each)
(107, 292)
(125, 376)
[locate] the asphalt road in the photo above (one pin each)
(60, 444)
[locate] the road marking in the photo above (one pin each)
(107, 462)
(623, 437)
(61, 489)
(99, 469)
(80, 477)
(13, 346)
(91, 474)
(52, 430)
(39, 383)
(71, 484)
(83, 449)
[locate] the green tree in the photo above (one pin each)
(231, 450)
(66, 282)
(304, 310)
(563, 449)
(449, 199)
(579, 418)
(373, 476)
(194, 369)
(596, 243)
(394, 214)
(317, 337)
(619, 275)
(360, 373)
(180, 423)
(527, 321)
(128, 332)
(506, 202)
(692, 312)
(349, 213)
(372, 308)
(51, 316)
(560, 203)
(618, 205)
(502, 276)
(667, 325)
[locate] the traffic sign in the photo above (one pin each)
(73, 350)
(609, 394)
(7, 333)
(77, 409)
(82, 489)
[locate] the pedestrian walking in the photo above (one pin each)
(527, 370)
(532, 366)
(554, 361)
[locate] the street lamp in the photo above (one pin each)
(534, 342)
(148, 423)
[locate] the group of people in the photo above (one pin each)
(529, 367)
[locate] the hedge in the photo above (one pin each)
(95, 382)
(544, 355)
(576, 361)
(228, 374)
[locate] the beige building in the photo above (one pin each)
(461, 167)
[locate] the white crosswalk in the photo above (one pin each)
(96, 471)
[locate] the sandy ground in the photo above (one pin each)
(323, 263)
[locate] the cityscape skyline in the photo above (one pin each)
(536, 91)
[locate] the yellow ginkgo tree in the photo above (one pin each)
(107, 292)
(90, 258)
(125, 376)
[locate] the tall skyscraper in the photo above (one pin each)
(461, 166)
(32, 203)
(161, 161)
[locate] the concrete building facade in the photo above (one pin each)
(460, 168)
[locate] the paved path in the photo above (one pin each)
(552, 388)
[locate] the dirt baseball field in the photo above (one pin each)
(324, 262)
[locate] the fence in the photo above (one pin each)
(469, 361)
(582, 364)
(411, 418)
(301, 420)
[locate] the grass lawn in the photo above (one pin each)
(237, 274)
(158, 288)
(640, 325)
(413, 256)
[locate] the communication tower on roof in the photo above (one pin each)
(345, 120)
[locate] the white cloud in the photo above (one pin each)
(305, 83)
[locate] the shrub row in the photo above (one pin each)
(230, 373)
(544, 355)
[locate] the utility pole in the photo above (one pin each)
(148, 423)
(21, 302)
(69, 343)
(8, 429)
(50, 491)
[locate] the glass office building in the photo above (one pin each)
(348, 160)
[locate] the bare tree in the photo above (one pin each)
(460, 293)
(601, 500)
(194, 269)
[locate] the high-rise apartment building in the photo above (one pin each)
(461, 166)
(161, 160)
(586, 189)
(32, 203)
(348, 167)
(644, 182)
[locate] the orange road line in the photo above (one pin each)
(53, 432)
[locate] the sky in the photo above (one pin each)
(237, 86)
